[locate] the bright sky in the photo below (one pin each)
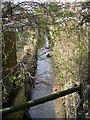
(48, 0)
(53, 0)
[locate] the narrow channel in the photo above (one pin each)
(44, 82)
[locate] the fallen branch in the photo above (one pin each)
(41, 100)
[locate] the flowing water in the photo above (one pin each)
(44, 85)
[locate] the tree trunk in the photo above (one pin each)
(9, 54)
(9, 51)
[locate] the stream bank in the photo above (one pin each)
(27, 69)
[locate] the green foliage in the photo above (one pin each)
(13, 79)
(4, 95)
(27, 34)
(60, 10)
(17, 37)
(67, 39)
(70, 53)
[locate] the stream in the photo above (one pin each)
(44, 84)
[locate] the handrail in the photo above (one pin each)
(38, 101)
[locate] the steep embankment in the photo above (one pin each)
(26, 57)
(70, 61)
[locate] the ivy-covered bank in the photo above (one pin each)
(21, 79)
(70, 54)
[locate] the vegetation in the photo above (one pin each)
(70, 54)
(17, 75)
(66, 26)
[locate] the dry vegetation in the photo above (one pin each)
(69, 45)
(70, 54)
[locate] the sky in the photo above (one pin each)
(54, 0)
(46, 0)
